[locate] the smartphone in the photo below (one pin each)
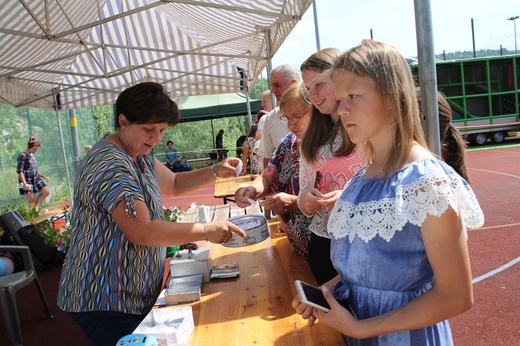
(318, 180)
(311, 295)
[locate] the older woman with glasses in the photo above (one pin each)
(279, 183)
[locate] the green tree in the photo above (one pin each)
(258, 87)
(104, 119)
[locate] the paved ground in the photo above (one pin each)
(494, 250)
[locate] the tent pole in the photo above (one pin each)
(212, 135)
(249, 117)
(427, 73)
(56, 106)
(74, 135)
(269, 65)
(316, 26)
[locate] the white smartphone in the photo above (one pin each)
(311, 295)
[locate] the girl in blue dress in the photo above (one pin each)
(399, 239)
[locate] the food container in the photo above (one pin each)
(255, 226)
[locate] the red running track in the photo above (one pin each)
(494, 251)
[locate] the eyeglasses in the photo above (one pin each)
(294, 119)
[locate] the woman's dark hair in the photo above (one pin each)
(33, 142)
(147, 103)
(168, 143)
(452, 143)
(252, 130)
(260, 114)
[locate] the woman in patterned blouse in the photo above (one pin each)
(114, 268)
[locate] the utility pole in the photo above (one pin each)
(514, 18)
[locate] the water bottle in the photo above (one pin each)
(21, 186)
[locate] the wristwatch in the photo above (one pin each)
(214, 172)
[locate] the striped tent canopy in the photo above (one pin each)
(83, 53)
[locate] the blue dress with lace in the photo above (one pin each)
(377, 246)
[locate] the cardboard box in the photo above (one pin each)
(172, 325)
(191, 263)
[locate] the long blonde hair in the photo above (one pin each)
(384, 65)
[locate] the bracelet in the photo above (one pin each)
(214, 172)
(205, 233)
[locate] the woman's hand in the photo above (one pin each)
(329, 199)
(338, 317)
(221, 231)
(309, 201)
(227, 168)
(306, 311)
(281, 203)
(242, 195)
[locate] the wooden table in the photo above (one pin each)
(226, 187)
(47, 216)
(255, 308)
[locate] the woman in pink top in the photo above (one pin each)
(328, 159)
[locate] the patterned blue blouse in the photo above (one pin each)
(103, 270)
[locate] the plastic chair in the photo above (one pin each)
(10, 284)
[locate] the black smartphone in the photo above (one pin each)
(311, 295)
(318, 180)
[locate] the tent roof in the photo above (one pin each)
(91, 50)
(205, 107)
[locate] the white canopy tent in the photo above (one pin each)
(59, 54)
(74, 54)
(90, 50)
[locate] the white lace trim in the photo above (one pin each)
(430, 194)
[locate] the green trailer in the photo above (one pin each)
(484, 95)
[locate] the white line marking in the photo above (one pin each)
(511, 263)
(496, 271)
(500, 173)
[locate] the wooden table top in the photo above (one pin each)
(46, 216)
(226, 187)
(255, 308)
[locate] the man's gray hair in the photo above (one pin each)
(289, 72)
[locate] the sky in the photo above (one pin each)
(344, 23)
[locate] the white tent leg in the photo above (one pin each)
(69, 190)
(250, 118)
